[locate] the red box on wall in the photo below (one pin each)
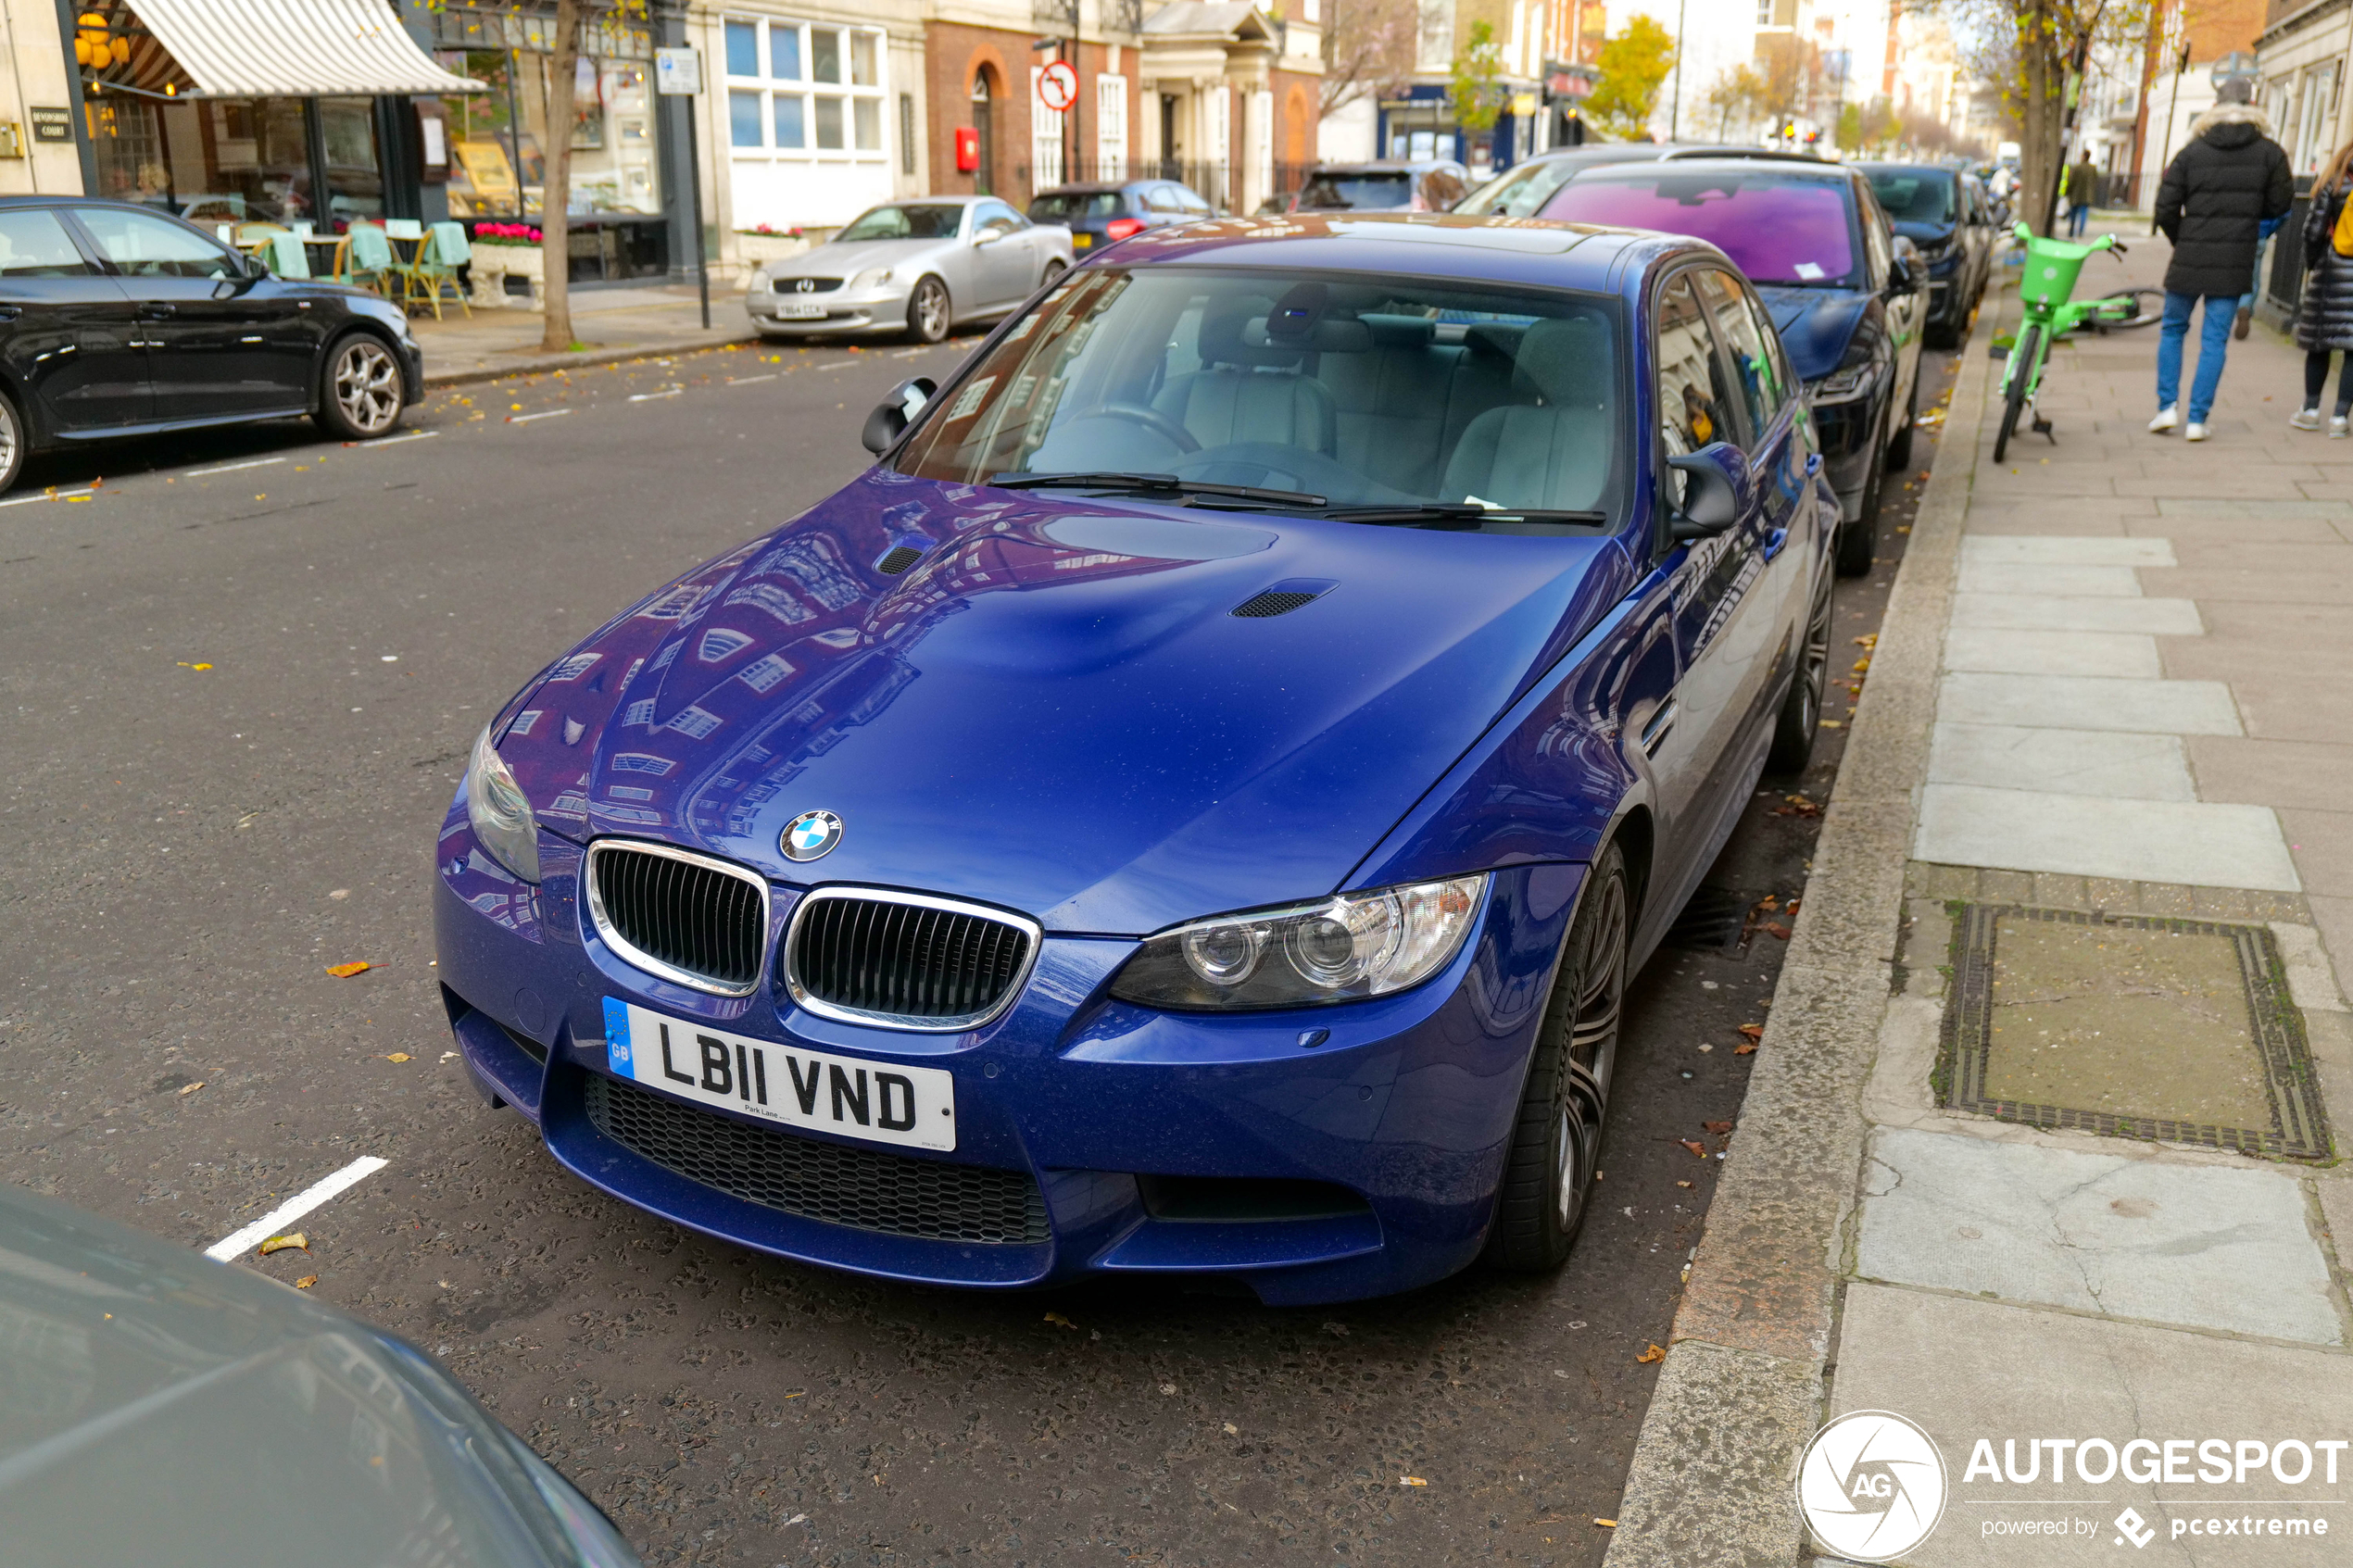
(967, 149)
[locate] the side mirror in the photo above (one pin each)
(1717, 489)
(987, 237)
(1902, 272)
(895, 412)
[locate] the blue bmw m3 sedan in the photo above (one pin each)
(1193, 806)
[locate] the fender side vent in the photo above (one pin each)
(1259, 606)
(899, 560)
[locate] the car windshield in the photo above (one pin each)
(1376, 192)
(927, 221)
(1781, 227)
(1519, 193)
(1061, 207)
(1914, 195)
(1436, 405)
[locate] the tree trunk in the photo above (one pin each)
(555, 202)
(2043, 62)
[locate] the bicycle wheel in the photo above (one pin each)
(2022, 369)
(2131, 307)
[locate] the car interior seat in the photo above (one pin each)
(1552, 451)
(1250, 393)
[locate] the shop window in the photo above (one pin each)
(791, 130)
(499, 138)
(743, 49)
(863, 72)
(355, 183)
(825, 55)
(829, 124)
(743, 118)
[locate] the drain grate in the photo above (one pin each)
(2178, 1031)
(1712, 921)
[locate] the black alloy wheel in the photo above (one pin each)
(361, 393)
(1858, 536)
(928, 313)
(1548, 1171)
(1801, 713)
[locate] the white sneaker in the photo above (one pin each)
(2166, 417)
(2305, 419)
(2193, 433)
(2338, 429)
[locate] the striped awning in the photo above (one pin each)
(293, 48)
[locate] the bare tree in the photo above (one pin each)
(1367, 45)
(2032, 50)
(554, 203)
(1737, 94)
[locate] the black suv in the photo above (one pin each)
(117, 319)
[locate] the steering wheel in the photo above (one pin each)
(1150, 419)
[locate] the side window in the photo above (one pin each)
(1755, 378)
(1694, 405)
(1876, 241)
(143, 246)
(1784, 379)
(34, 245)
(995, 215)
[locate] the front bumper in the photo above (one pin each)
(1407, 1105)
(870, 311)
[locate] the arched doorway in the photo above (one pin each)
(984, 122)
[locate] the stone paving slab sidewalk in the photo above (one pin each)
(610, 323)
(2113, 691)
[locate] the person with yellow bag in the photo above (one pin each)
(2324, 316)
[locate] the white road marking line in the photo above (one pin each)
(526, 419)
(746, 380)
(61, 495)
(911, 353)
(294, 1208)
(233, 468)
(650, 396)
(839, 365)
(397, 439)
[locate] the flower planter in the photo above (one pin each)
(494, 264)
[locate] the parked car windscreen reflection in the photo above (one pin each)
(1785, 228)
(908, 221)
(1354, 391)
(1915, 195)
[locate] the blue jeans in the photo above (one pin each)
(2220, 308)
(2078, 215)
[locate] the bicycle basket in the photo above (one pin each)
(2048, 277)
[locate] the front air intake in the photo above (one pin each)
(684, 917)
(905, 959)
(1261, 606)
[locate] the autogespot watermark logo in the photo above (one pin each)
(1872, 1486)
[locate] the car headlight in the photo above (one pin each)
(872, 278)
(500, 815)
(760, 280)
(1338, 949)
(1846, 380)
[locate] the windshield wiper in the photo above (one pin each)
(1147, 483)
(1465, 513)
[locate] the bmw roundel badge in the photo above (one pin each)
(809, 835)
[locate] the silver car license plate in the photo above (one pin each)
(795, 311)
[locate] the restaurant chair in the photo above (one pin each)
(366, 260)
(287, 256)
(434, 271)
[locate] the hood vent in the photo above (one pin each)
(1283, 597)
(899, 560)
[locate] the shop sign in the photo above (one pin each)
(677, 73)
(51, 125)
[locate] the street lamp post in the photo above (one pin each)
(1675, 102)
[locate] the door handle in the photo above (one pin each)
(1774, 542)
(152, 312)
(1655, 730)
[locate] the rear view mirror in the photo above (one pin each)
(1717, 482)
(895, 412)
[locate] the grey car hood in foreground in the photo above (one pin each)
(156, 1407)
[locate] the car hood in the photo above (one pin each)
(1925, 234)
(848, 260)
(158, 1407)
(1057, 708)
(1815, 324)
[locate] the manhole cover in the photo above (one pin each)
(2134, 1027)
(1712, 921)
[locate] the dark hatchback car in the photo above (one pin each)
(1948, 216)
(1813, 240)
(117, 320)
(1385, 185)
(1103, 214)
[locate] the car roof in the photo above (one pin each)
(1804, 167)
(1384, 166)
(1869, 164)
(1095, 187)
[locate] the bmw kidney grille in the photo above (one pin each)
(698, 921)
(905, 959)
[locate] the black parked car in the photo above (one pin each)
(1098, 215)
(117, 319)
(1945, 213)
(1833, 276)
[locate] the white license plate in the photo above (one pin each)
(796, 312)
(912, 1105)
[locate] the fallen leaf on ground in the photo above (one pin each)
(1607, 1523)
(397, 1056)
(185, 665)
(1868, 640)
(1696, 1146)
(1769, 902)
(1753, 1031)
(1862, 664)
(282, 1243)
(1682, 1184)
(346, 970)
(1057, 1317)
(306, 1282)
(1774, 928)
(1413, 1480)
(1716, 1126)
(1790, 908)
(1653, 1354)
(1832, 725)
(1749, 1049)
(192, 1088)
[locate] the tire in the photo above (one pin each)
(15, 440)
(928, 314)
(1556, 1142)
(1899, 451)
(1801, 713)
(1053, 269)
(361, 389)
(2014, 397)
(2149, 309)
(1857, 540)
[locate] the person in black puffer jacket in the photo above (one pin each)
(2324, 318)
(2216, 194)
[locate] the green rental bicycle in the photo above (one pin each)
(2049, 278)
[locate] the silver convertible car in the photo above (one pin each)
(916, 267)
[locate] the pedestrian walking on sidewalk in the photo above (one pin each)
(2082, 179)
(2216, 194)
(2324, 319)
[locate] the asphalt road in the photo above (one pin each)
(241, 678)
